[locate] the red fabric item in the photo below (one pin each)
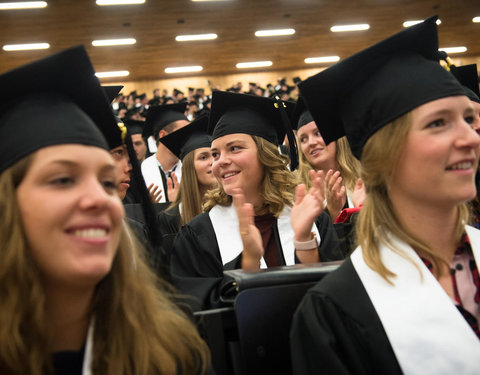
(346, 213)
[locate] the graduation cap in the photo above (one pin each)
(191, 89)
(467, 75)
(189, 138)
(296, 80)
(142, 96)
(176, 92)
(301, 115)
(255, 115)
(160, 116)
(112, 92)
(55, 100)
(361, 94)
(134, 126)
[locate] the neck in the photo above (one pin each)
(434, 225)
(69, 315)
(327, 165)
(165, 157)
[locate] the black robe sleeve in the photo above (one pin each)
(328, 248)
(196, 263)
(337, 331)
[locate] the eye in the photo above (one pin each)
(317, 134)
(109, 185)
(436, 124)
(215, 155)
(470, 120)
(62, 181)
(117, 154)
(235, 148)
(303, 139)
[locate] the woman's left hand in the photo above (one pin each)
(336, 194)
(308, 206)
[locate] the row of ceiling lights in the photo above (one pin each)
(196, 37)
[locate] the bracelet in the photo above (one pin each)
(307, 245)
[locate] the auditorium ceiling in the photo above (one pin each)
(156, 23)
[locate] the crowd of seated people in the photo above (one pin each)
(122, 213)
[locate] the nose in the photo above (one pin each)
(469, 138)
(93, 196)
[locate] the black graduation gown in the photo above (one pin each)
(337, 331)
(169, 220)
(196, 264)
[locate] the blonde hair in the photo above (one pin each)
(277, 187)
(349, 166)
(138, 329)
(377, 217)
(189, 191)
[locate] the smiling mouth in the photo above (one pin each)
(229, 174)
(316, 151)
(461, 166)
(90, 233)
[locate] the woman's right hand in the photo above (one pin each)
(251, 238)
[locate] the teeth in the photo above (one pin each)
(229, 174)
(464, 165)
(90, 233)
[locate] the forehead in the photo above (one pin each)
(72, 153)
(229, 138)
(450, 103)
(308, 128)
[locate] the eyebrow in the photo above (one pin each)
(74, 164)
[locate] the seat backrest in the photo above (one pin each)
(264, 316)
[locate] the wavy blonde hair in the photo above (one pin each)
(138, 329)
(377, 217)
(277, 186)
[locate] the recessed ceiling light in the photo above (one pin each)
(113, 42)
(118, 73)
(25, 47)
(341, 28)
(187, 38)
(476, 19)
(276, 32)
(183, 69)
(23, 5)
(119, 2)
(411, 23)
(453, 49)
(324, 59)
(253, 64)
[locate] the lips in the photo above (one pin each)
(90, 233)
(316, 151)
(463, 165)
(228, 175)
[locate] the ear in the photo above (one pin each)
(162, 133)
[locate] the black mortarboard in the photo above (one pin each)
(250, 114)
(112, 92)
(191, 89)
(301, 115)
(467, 75)
(177, 91)
(188, 138)
(297, 80)
(56, 100)
(142, 96)
(361, 94)
(252, 83)
(160, 116)
(134, 126)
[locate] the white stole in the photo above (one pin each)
(427, 332)
(225, 224)
(88, 355)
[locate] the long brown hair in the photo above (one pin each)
(277, 186)
(189, 191)
(377, 217)
(138, 330)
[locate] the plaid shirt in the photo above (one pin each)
(464, 248)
